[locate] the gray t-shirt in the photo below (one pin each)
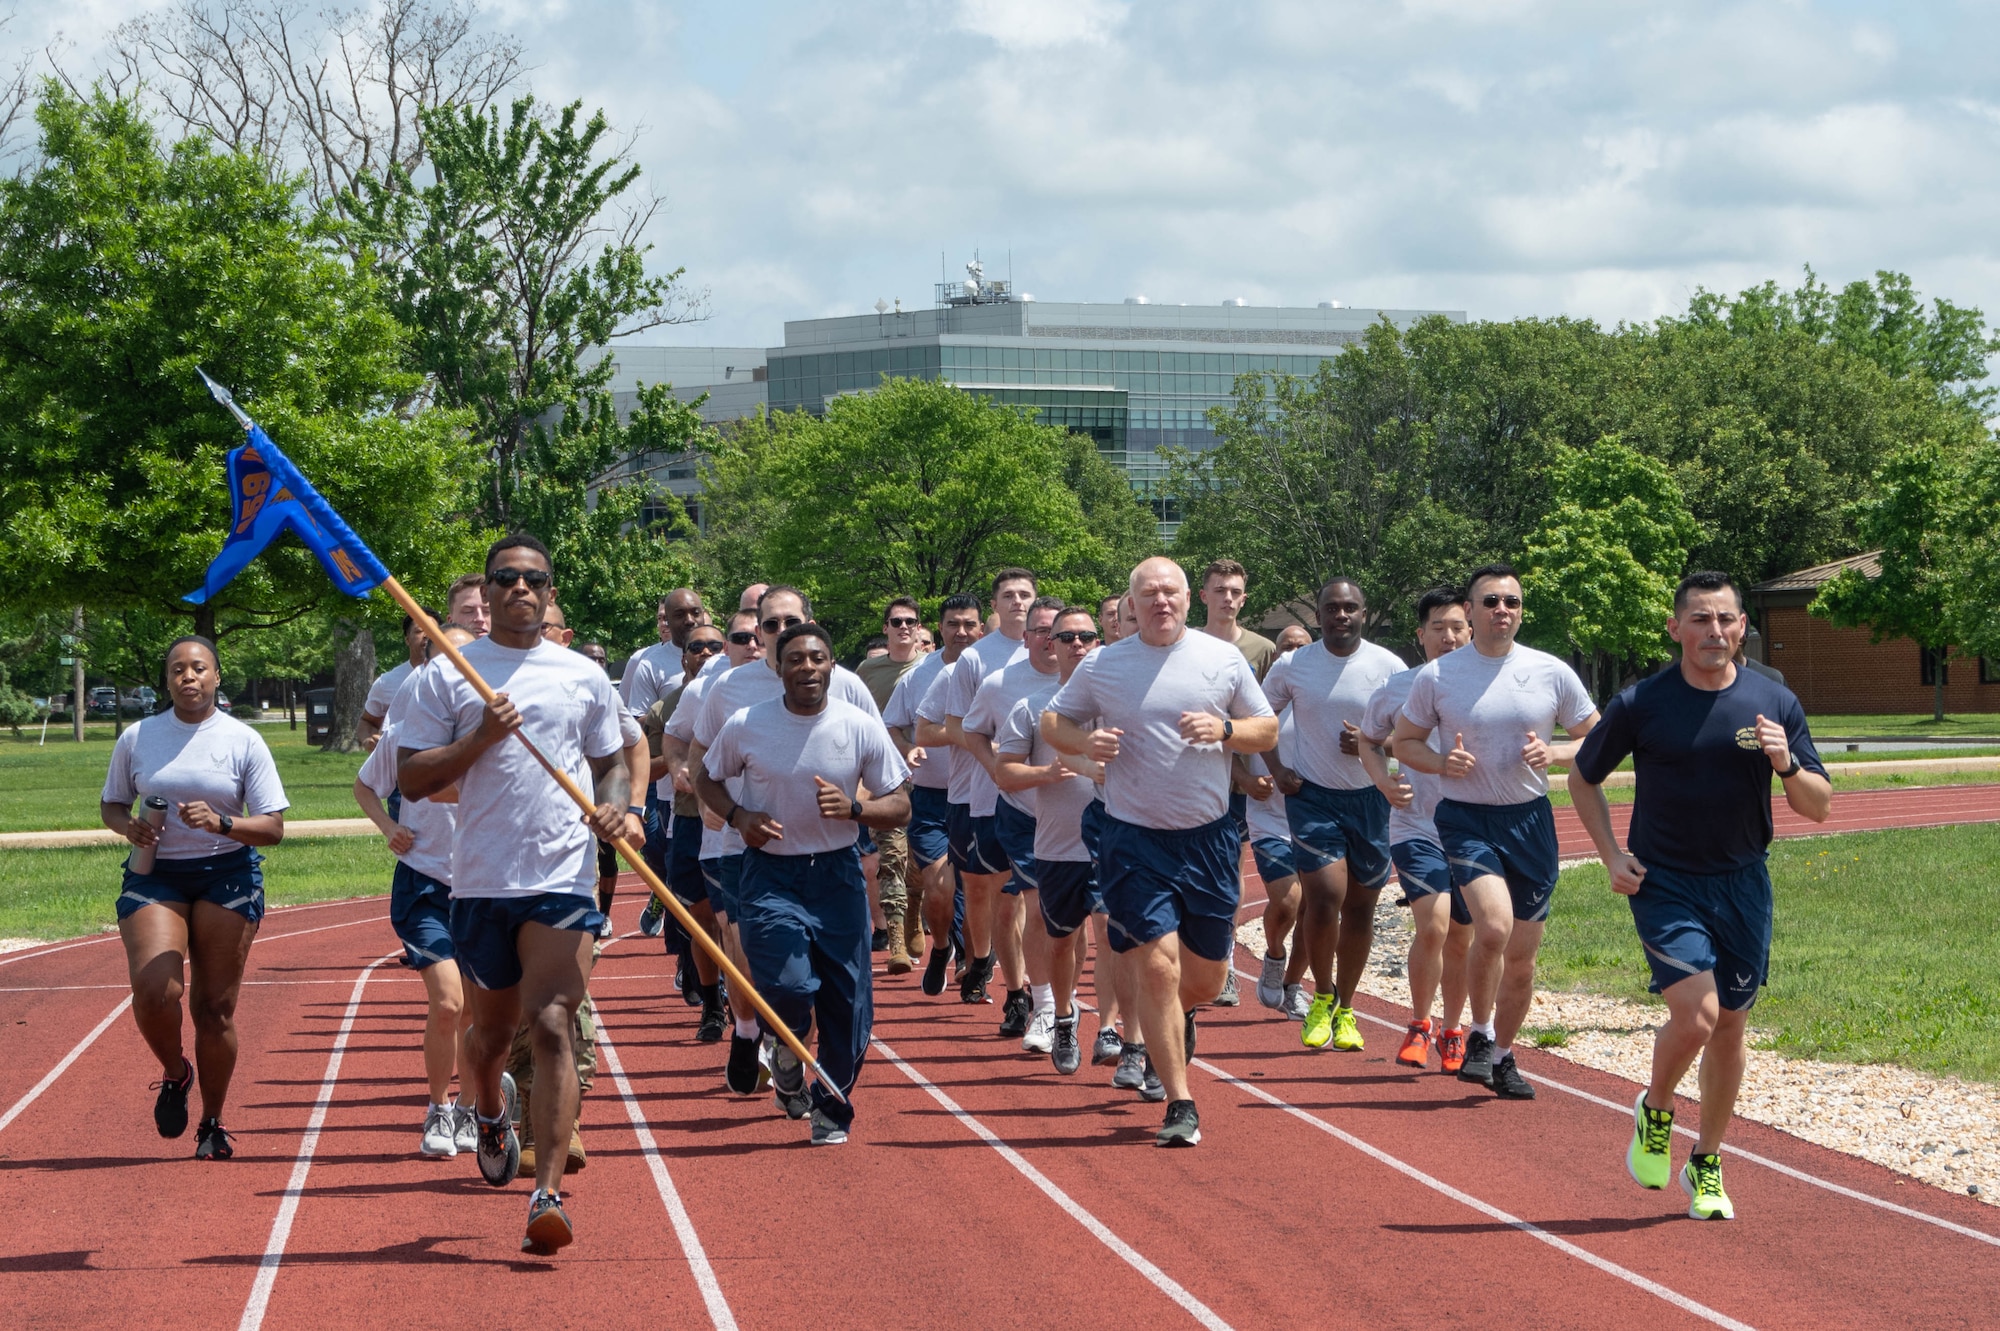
(648, 674)
(932, 708)
(383, 691)
(747, 685)
(1416, 822)
(1494, 702)
(1158, 779)
(1057, 809)
(934, 773)
(993, 653)
(1266, 816)
(990, 706)
(1323, 690)
(714, 840)
(434, 826)
(778, 753)
(221, 762)
(518, 834)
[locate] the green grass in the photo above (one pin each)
(1559, 784)
(1883, 951)
(56, 786)
(1918, 726)
(66, 893)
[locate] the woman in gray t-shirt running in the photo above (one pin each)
(200, 898)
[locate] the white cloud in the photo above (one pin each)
(1033, 25)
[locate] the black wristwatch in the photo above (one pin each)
(1228, 729)
(637, 811)
(226, 824)
(1791, 771)
(854, 813)
(729, 819)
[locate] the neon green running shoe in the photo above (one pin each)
(1647, 1159)
(1319, 1021)
(1701, 1180)
(1346, 1032)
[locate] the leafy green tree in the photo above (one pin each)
(126, 265)
(514, 275)
(1919, 519)
(1976, 624)
(1598, 571)
(918, 488)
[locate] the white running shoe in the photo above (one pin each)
(1041, 1035)
(440, 1140)
(466, 1128)
(1296, 1002)
(1271, 983)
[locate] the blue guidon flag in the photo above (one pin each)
(267, 495)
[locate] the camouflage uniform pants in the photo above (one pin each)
(583, 1045)
(891, 878)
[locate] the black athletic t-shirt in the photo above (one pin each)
(1703, 797)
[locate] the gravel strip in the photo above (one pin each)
(19, 944)
(1941, 1130)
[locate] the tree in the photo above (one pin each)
(1598, 571)
(492, 268)
(1919, 520)
(1976, 626)
(918, 489)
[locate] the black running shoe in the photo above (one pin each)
(1508, 1083)
(1014, 1014)
(940, 957)
(710, 1030)
(1152, 1090)
(548, 1225)
(741, 1074)
(1478, 1065)
(972, 984)
(1067, 1052)
(211, 1142)
(1183, 1125)
(1187, 1035)
(689, 982)
(788, 1082)
(878, 941)
(170, 1111)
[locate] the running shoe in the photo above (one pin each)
(710, 1029)
(740, 1075)
(1649, 1158)
(1416, 1050)
(465, 1129)
(653, 919)
(1187, 1036)
(940, 957)
(1346, 1031)
(1296, 1003)
(1451, 1049)
(212, 1143)
(1151, 1090)
(440, 1139)
(1040, 1036)
(826, 1132)
(972, 981)
(1183, 1125)
(1228, 997)
(170, 1111)
(1106, 1051)
(1508, 1083)
(1319, 1021)
(604, 931)
(1478, 1063)
(1131, 1073)
(689, 982)
(499, 1152)
(510, 1096)
(1701, 1180)
(788, 1083)
(1066, 1052)
(1014, 1014)
(1271, 983)
(548, 1225)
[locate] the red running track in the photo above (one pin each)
(981, 1189)
(1853, 811)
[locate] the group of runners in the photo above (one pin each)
(982, 802)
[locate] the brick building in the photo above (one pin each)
(1839, 671)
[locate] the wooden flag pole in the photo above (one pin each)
(739, 984)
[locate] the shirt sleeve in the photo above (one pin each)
(1798, 736)
(932, 708)
(966, 678)
(725, 755)
(981, 715)
(1421, 706)
(1249, 699)
(687, 709)
(708, 725)
(120, 782)
(1609, 742)
(850, 688)
(1017, 733)
(641, 685)
(882, 768)
(262, 791)
(379, 695)
(1278, 683)
(1378, 719)
(1573, 700)
(603, 723)
(1077, 700)
(378, 773)
(897, 713)
(431, 721)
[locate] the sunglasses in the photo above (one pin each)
(1493, 600)
(707, 645)
(1068, 636)
(743, 637)
(776, 625)
(902, 622)
(537, 578)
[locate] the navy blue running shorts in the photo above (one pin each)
(1695, 922)
(1015, 831)
(930, 814)
(1183, 880)
(1329, 825)
(1423, 871)
(1068, 894)
(420, 913)
(1516, 842)
(974, 847)
(233, 881)
(1274, 860)
(483, 930)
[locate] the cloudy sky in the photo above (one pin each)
(1503, 157)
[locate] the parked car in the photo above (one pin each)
(104, 702)
(139, 702)
(221, 701)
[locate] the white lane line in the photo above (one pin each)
(111, 935)
(1735, 1152)
(1633, 1278)
(697, 1256)
(281, 1225)
(280, 984)
(1159, 1279)
(320, 929)
(64, 1066)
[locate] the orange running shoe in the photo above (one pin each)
(1416, 1050)
(1451, 1049)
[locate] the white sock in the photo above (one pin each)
(1045, 995)
(1501, 1055)
(746, 1028)
(1485, 1028)
(441, 1107)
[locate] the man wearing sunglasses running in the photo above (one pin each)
(1499, 703)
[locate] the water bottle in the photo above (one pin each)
(156, 816)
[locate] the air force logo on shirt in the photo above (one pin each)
(1746, 738)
